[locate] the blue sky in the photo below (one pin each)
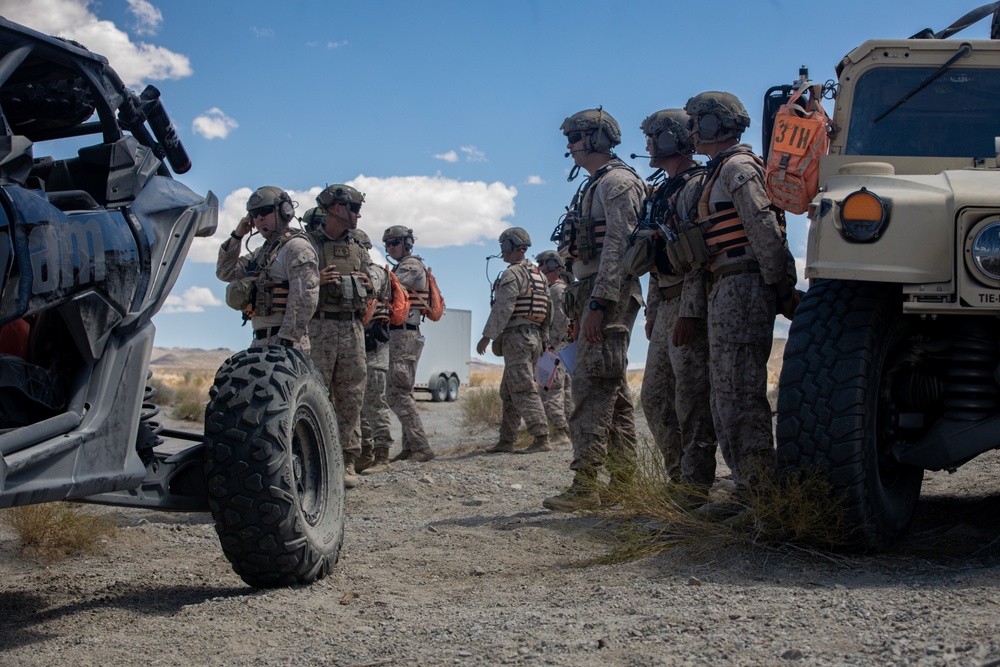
(446, 113)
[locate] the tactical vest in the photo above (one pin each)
(584, 238)
(723, 231)
(271, 296)
(533, 303)
(346, 255)
(661, 217)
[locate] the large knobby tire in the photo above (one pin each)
(274, 469)
(832, 405)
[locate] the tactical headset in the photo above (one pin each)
(599, 139)
(285, 207)
(510, 243)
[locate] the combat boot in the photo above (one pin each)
(540, 444)
(402, 456)
(381, 463)
(366, 460)
(580, 496)
(501, 447)
(350, 477)
(422, 455)
(561, 438)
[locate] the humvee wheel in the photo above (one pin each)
(273, 468)
(834, 405)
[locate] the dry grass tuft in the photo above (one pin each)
(186, 394)
(51, 532)
(651, 516)
(485, 377)
(482, 408)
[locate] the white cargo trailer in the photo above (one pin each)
(444, 363)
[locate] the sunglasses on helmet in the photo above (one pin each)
(392, 243)
(261, 212)
(574, 137)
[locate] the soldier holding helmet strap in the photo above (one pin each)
(406, 343)
(518, 323)
(338, 342)
(558, 398)
(753, 276)
(276, 285)
(675, 390)
(605, 301)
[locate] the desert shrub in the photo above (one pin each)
(482, 408)
(485, 377)
(190, 402)
(51, 532)
(164, 395)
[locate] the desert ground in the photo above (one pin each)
(456, 562)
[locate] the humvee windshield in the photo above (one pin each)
(957, 115)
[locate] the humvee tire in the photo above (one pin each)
(839, 361)
(275, 491)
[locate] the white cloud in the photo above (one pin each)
(472, 154)
(441, 211)
(535, 180)
(193, 300)
(214, 124)
(136, 63)
(450, 156)
(148, 18)
(261, 32)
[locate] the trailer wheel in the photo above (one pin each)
(453, 388)
(439, 392)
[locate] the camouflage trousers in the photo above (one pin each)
(405, 346)
(741, 312)
(676, 399)
(375, 409)
(302, 344)
(558, 399)
(338, 349)
(521, 348)
(602, 423)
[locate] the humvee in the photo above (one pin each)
(892, 364)
(91, 242)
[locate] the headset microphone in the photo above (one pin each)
(634, 156)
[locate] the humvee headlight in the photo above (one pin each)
(863, 216)
(986, 250)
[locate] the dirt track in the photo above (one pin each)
(454, 561)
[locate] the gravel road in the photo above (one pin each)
(455, 562)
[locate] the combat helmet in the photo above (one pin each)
(362, 238)
(405, 234)
(314, 218)
(603, 130)
(339, 193)
(272, 196)
(514, 237)
(549, 260)
(669, 127)
(730, 116)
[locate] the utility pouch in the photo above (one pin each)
(689, 251)
(576, 296)
(239, 293)
(640, 255)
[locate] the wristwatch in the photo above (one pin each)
(594, 305)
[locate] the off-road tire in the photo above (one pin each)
(273, 468)
(832, 392)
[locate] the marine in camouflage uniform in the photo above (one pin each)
(336, 330)
(605, 301)
(376, 439)
(675, 392)
(558, 398)
(519, 318)
(283, 272)
(406, 343)
(753, 276)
